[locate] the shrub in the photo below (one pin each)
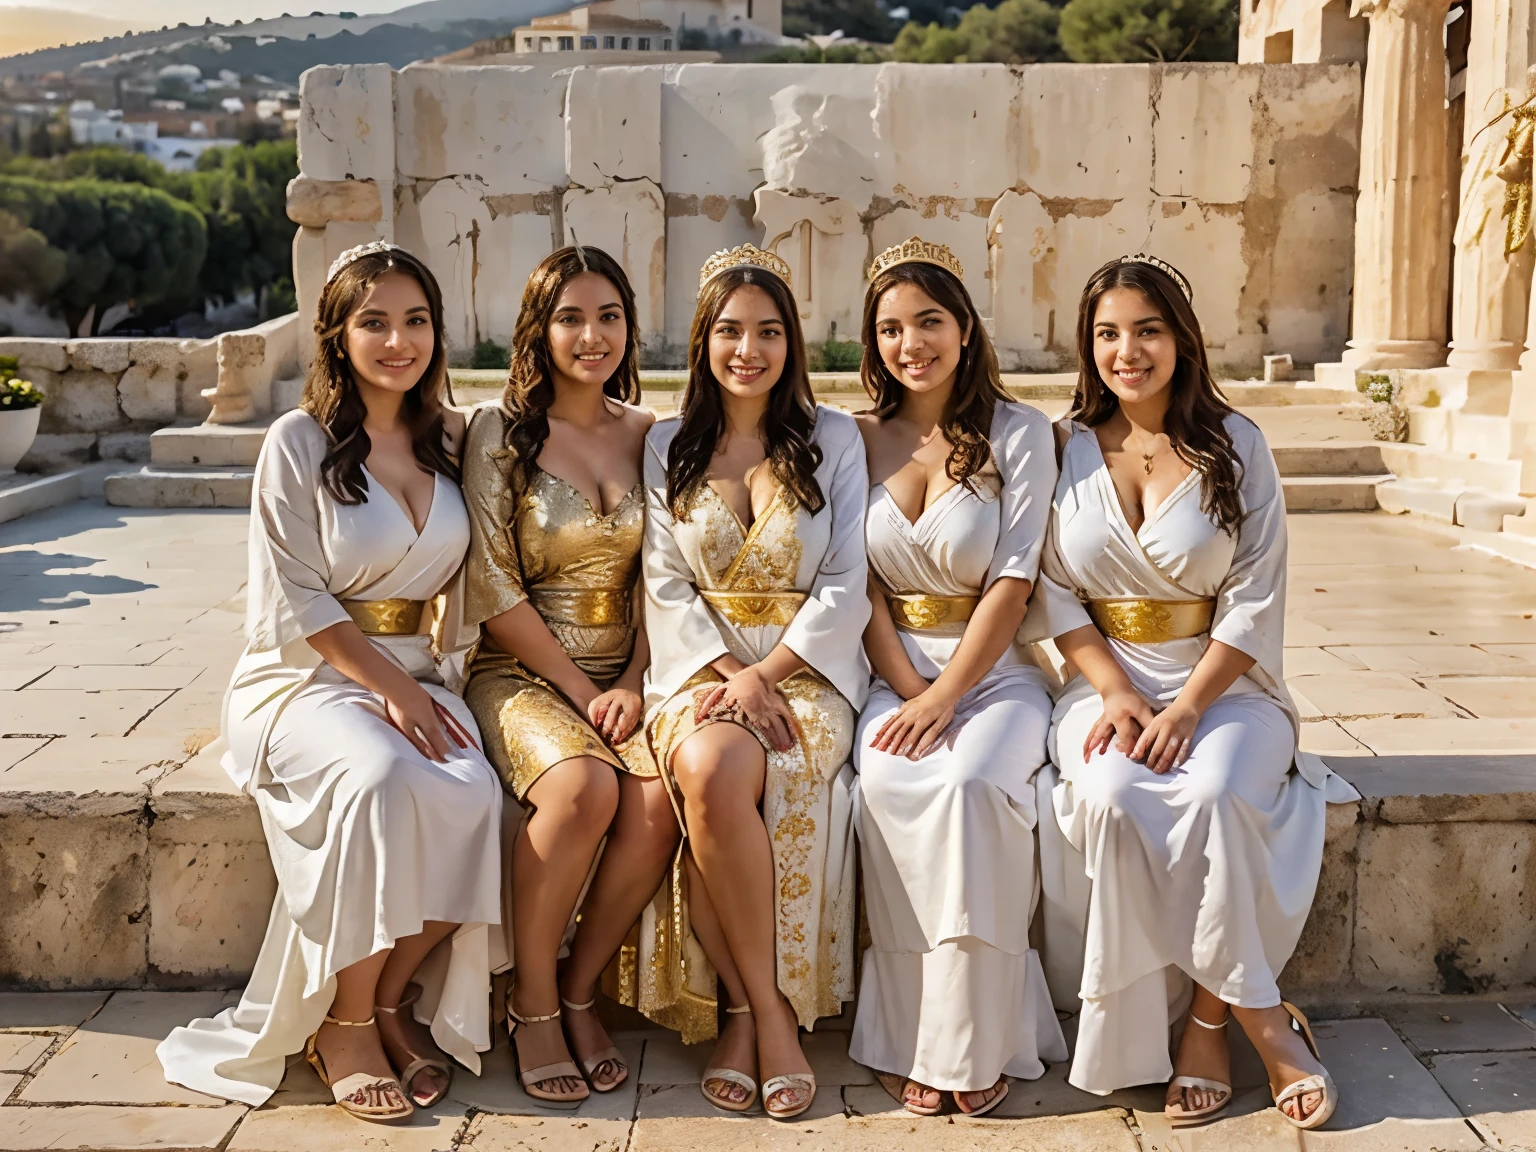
(841, 355)
(489, 354)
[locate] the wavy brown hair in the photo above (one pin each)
(791, 417)
(331, 394)
(978, 384)
(1197, 411)
(531, 377)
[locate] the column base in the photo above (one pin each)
(1494, 356)
(1380, 355)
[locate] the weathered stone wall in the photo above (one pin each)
(1242, 175)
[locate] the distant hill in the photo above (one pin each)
(283, 48)
(27, 28)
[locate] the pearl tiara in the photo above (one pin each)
(352, 255)
(746, 256)
(1163, 266)
(918, 251)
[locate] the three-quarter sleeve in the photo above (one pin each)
(1250, 604)
(1026, 461)
(288, 576)
(493, 572)
(828, 628)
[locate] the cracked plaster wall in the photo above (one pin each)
(1242, 175)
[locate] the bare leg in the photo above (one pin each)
(1285, 1055)
(736, 1048)
(573, 804)
(641, 843)
(1203, 1052)
(720, 770)
(404, 959)
(346, 1051)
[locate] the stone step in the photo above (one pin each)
(1419, 462)
(161, 487)
(1331, 493)
(208, 445)
(1332, 458)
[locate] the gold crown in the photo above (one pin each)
(917, 251)
(746, 256)
(1163, 266)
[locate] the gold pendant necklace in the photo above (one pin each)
(1146, 461)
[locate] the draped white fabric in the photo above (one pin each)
(952, 995)
(369, 838)
(1206, 872)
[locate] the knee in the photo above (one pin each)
(1107, 783)
(1208, 788)
(714, 781)
(582, 791)
(377, 781)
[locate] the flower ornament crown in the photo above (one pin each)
(746, 256)
(352, 255)
(1166, 268)
(917, 251)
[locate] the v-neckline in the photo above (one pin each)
(746, 529)
(1156, 513)
(913, 525)
(595, 509)
(402, 508)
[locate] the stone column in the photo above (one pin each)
(1402, 274)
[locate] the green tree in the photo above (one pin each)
(1138, 31)
(859, 19)
(1015, 32)
(242, 193)
(122, 243)
(41, 142)
(28, 263)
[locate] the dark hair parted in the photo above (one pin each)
(531, 376)
(978, 383)
(331, 394)
(1197, 411)
(788, 423)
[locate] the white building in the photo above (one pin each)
(89, 126)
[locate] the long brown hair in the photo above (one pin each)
(791, 416)
(531, 377)
(331, 394)
(1197, 411)
(978, 384)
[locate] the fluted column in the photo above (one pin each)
(1402, 250)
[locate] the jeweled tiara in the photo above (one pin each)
(1163, 266)
(917, 251)
(745, 256)
(352, 255)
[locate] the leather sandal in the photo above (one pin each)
(1323, 1085)
(376, 1099)
(404, 1046)
(609, 1055)
(1187, 1116)
(730, 1076)
(1002, 1094)
(561, 1069)
(899, 1089)
(790, 1082)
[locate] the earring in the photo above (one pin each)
(340, 355)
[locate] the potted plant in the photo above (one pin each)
(20, 406)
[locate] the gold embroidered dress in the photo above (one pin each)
(714, 587)
(538, 539)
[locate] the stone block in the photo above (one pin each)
(19, 1051)
(1485, 511)
(76, 713)
(1461, 1025)
(132, 447)
(628, 221)
(823, 140)
(1322, 955)
(1020, 253)
(1307, 249)
(50, 355)
(502, 127)
(1494, 1089)
(94, 1128)
(1489, 699)
(1465, 888)
(1202, 133)
(83, 400)
(947, 132)
(114, 677)
(1399, 496)
(822, 240)
(347, 123)
(494, 1133)
(315, 203)
(1430, 789)
(54, 451)
(1359, 695)
(1066, 104)
(53, 1011)
(1278, 368)
(601, 147)
(151, 391)
(1207, 243)
(284, 1129)
(1306, 130)
(100, 354)
(1444, 737)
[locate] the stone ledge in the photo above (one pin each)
(1437, 789)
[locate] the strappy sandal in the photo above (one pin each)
(562, 1069)
(1323, 1085)
(790, 1082)
(1002, 1083)
(609, 1055)
(404, 1048)
(730, 1076)
(896, 1087)
(376, 1099)
(1187, 1116)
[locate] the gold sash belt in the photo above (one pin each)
(1137, 621)
(755, 609)
(396, 617)
(583, 607)
(920, 611)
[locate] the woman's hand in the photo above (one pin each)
(419, 719)
(615, 713)
(917, 725)
(749, 694)
(1126, 716)
(1165, 743)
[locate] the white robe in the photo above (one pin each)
(1207, 872)
(952, 995)
(368, 837)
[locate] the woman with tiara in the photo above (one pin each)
(755, 585)
(552, 478)
(380, 811)
(1184, 807)
(952, 995)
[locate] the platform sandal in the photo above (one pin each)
(376, 1099)
(1183, 1116)
(1323, 1085)
(609, 1055)
(407, 1051)
(789, 1082)
(1002, 1083)
(730, 1076)
(562, 1069)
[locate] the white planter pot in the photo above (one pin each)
(17, 431)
